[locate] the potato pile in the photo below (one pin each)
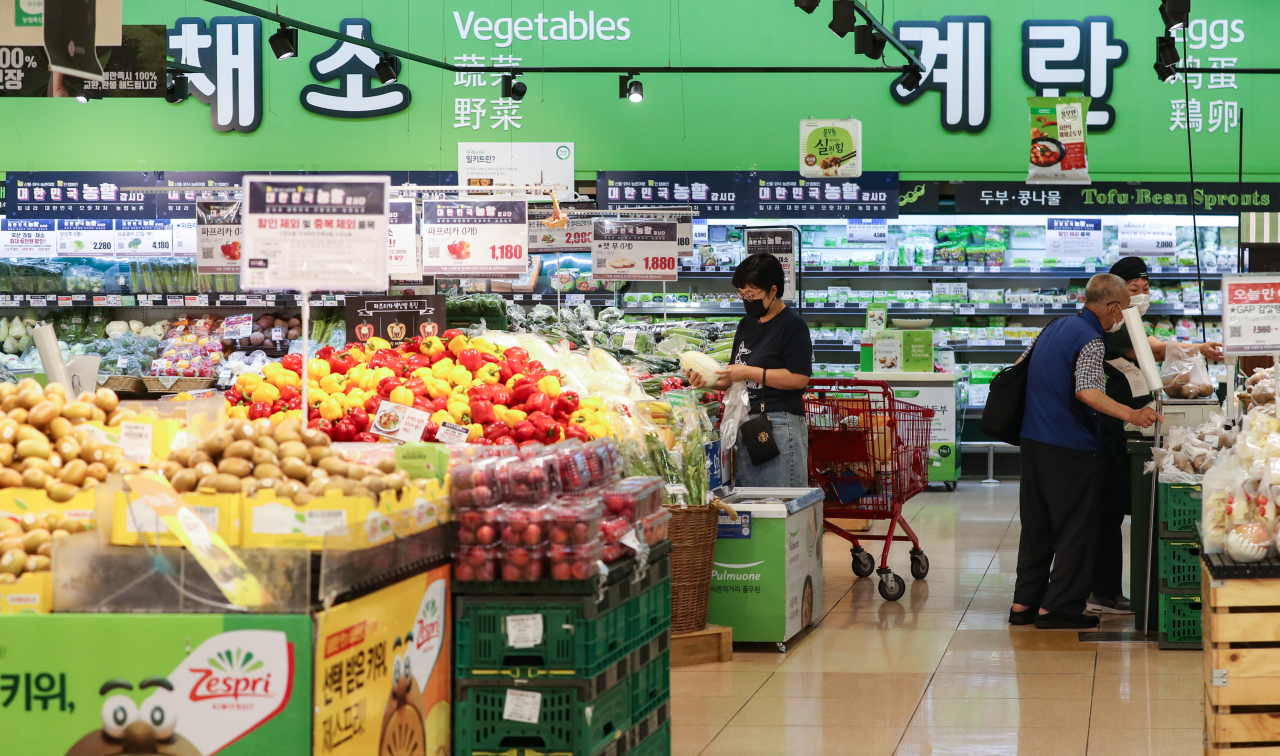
(1259, 390)
(297, 463)
(26, 544)
(40, 446)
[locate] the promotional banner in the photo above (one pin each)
(517, 164)
(402, 240)
(144, 238)
(634, 250)
(27, 238)
(85, 238)
(132, 68)
(474, 238)
(72, 194)
(779, 194)
(190, 684)
(1251, 314)
(831, 147)
(22, 22)
(1073, 238)
(315, 235)
(396, 319)
(779, 242)
(383, 670)
(188, 187)
(219, 232)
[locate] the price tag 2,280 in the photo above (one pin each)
(524, 630)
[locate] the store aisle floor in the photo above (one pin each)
(940, 671)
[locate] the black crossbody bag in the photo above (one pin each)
(757, 436)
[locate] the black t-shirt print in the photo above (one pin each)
(782, 342)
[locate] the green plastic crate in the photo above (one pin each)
(657, 744)
(1180, 618)
(1179, 507)
(567, 723)
(1180, 564)
(578, 640)
(650, 686)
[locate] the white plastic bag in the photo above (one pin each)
(735, 413)
(1184, 373)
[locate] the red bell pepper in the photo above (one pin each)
(417, 360)
(505, 441)
(422, 402)
(482, 412)
(280, 405)
(534, 364)
(470, 359)
(386, 358)
(292, 362)
(481, 392)
(294, 403)
(324, 352)
(538, 402)
(315, 420)
(386, 384)
(232, 396)
(325, 427)
(416, 385)
(371, 404)
(345, 430)
(429, 431)
(523, 389)
(489, 359)
(495, 431)
(516, 354)
(506, 369)
(288, 392)
(523, 431)
(437, 404)
(448, 335)
(412, 346)
(523, 444)
(546, 430)
(440, 356)
(366, 438)
(259, 410)
(500, 395)
(578, 432)
(567, 402)
(341, 363)
(359, 418)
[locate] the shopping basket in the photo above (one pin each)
(869, 453)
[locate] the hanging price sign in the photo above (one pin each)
(402, 245)
(574, 237)
(475, 238)
(634, 250)
(1251, 314)
(85, 238)
(27, 238)
(1147, 238)
(144, 238)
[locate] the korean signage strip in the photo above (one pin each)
(402, 240)
(764, 194)
(1251, 314)
(229, 684)
(475, 238)
(382, 671)
(315, 235)
(219, 232)
(779, 242)
(1073, 238)
(634, 250)
(1117, 198)
(73, 194)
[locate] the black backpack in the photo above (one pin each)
(1007, 400)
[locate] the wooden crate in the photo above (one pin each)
(1230, 732)
(711, 644)
(1241, 676)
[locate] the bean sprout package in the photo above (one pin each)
(1058, 147)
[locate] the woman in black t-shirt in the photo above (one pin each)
(773, 354)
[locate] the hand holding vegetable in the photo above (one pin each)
(739, 372)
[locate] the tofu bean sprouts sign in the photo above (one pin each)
(1251, 314)
(634, 250)
(475, 238)
(328, 234)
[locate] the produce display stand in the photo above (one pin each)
(1241, 611)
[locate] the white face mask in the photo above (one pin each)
(1141, 301)
(1116, 326)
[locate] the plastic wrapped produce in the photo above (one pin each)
(574, 562)
(1248, 542)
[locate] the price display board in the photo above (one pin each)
(1251, 314)
(144, 238)
(402, 244)
(85, 238)
(315, 234)
(574, 237)
(1147, 238)
(779, 242)
(634, 250)
(27, 238)
(866, 230)
(219, 233)
(1073, 237)
(475, 238)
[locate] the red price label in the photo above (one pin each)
(506, 251)
(578, 237)
(659, 263)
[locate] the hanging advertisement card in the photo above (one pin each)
(1251, 314)
(396, 319)
(516, 164)
(219, 231)
(1073, 238)
(144, 238)
(474, 238)
(779, 242)
(402, 244)
(85, 238)
(22, 22)
(326, 234)
(186, 242)
(574, 237)
(27, 238)
(634, 250)
(1146, 237)
(1059, 153)
(831, 147)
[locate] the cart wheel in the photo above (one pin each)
(919, 566)
(950, 485)
(863, 564)
(782, 647)
(892, 587)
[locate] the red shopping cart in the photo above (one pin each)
(869, 453)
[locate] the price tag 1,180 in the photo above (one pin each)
(524, 630)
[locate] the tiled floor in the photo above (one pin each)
(940, 671)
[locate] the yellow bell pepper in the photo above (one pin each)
(500, 412)
(240, 411)
(441, 369)
(484, 345)
(293, 414)
(356, 374)
(353, 398)
(315, 396)
(550, 385)
(441, 416)
(423, 373)
(278, 417)
(460, 390)
(271, 368)
(286, 378)
(265, 392)
(513, 416)
(460, 412)
(437, 388)
(376, 343)
(334, 383)
(511, 382)
(476, 431)
(460, 376)
(317, 368)
(247, 382)
(487, 374)
(458, 343)
(401, 395)
(581, 417)
(597, 430)
(331, 409)
(380, 373)
(431, 346)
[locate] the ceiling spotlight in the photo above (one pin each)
(388, 69)
(630, 88)
(843, 17)
(513, 89)
(1175, 13)
(177, 88)
(911, 79)
(284, 43)
(808, 6)
(1166, 59)
(869, 42)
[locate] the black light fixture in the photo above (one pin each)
(869, 42)
(911, 79)
(388, 69)
(1175, 13)
(178, 88)
(284, 43)
(843, 17)
(630, 88)
(513, 89)
(75, 87)
(1166, 59)
(808, 6)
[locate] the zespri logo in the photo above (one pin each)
(231, 684)
(573, 28)
(428, 632)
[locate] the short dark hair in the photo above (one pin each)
(762, 271)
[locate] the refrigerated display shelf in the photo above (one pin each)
(689, 308)
(940, 271)
(165, 300)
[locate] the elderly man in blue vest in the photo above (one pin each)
(1062, 466)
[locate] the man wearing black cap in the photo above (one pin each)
(1107, 595)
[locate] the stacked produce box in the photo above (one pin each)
(562, 602)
